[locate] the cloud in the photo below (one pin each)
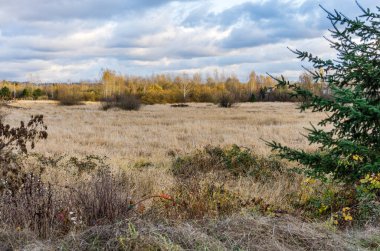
(73, 39)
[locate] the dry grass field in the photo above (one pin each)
(156, 133)
(213, 209)
(150, 134)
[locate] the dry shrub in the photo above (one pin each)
(197, 199)
(227, 100)
(181, 105)
(33, 207)
(104, 198)
(93, 196)
(124, 102)
(14, 144)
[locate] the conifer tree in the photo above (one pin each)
(348, 139)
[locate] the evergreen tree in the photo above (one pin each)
(351, 149)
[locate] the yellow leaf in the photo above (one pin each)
(348, 218)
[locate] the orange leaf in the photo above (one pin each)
(165, 196)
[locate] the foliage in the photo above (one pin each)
(5, 93)
(368, 196)
(26, 93)
(342, 205)
(351, 149)
(161, 88)
(37, 93)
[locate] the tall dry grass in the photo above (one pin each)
(220, 195)
(150, 134)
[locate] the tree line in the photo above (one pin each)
(163, 88)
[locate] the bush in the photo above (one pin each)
(200, 189)
(14, 142)
(341, 205)
(37, 93)
(196, 198)
(103, 199)
(33, 207)
(26, 93)
(5, 93)
(95, 196)
(124, 102)
(235, 160)
(226, 100)
(181, 105)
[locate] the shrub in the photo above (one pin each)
(124, 102)
(103, 199)
(33, 207)
(351, 149)
(341, 205)
(95, 196)
(226, 100)
(181, 105)
(13, 143)
(235, 160)
(197, 198)
(37, 93)
(200, 190)
(5, 93)
(26, 93)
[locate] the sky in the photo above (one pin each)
(73, 40)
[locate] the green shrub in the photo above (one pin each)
(235, 160)
(26, 93)
(5, 93)
(37, 93)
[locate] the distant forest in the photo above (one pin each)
(163, 88)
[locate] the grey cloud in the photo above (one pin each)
(272, 21)
(63, 38)
(73, 9)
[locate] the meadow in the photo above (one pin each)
(149, 134)
(172, 178)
